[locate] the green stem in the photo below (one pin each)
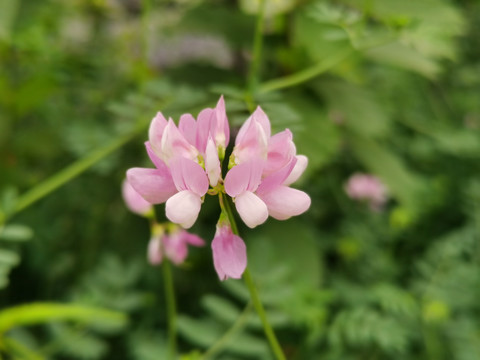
(227, 209)
(267, 328)
(321, 67)
(307, 74)
(257, 303)
(146, 10)
(229, 335)
(171, 309)
(252, 80)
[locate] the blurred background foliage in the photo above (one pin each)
(388, 87)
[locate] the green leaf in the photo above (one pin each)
(280, 268)
(248, 345)
(200, 332)
(19, 350)
(427, 33)
(455, 141)
(38, 313)
(8, 13)
(234, 26)
(8, 258)
(148, 345)
(315, 136)
(355, 107)
(77, 343)
(365, 327)
(8, 199)
(317, 38)
(220, 308)
(272, 7)
(15, 232)
(4, 281)
(402, 56)
(206, 332)
(395, 300)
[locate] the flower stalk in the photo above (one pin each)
(171, 309)
(255, 297)
(306, 74)
(252, 80)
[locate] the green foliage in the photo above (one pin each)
(111, 284)
(386, 87)
(288, 280)
(366, 327)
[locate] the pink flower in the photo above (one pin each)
(368, 188)
(177, 153)
(229, 253)
(264, 168)
(134, 201)
(174, 246)
(188, 161)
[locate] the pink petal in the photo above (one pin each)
(159, 164)
(188, 175)
(154, 251)
(154, 185)
(229, 254)
(246, 176)
(134, 201)
(174, 144)
(192, 239)
(175, 248)
(222, 130)
(188, 127)
(251, 209)
(212, 163)
(262, 118)
(205, 120)
(300, 166)
(277, 178)
(249, 123)
(251, 142)
(280, 151)
(155, 132)
(284, 202)
(183, 208)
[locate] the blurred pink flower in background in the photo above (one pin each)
(366, 187)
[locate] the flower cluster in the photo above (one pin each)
(188, 162)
